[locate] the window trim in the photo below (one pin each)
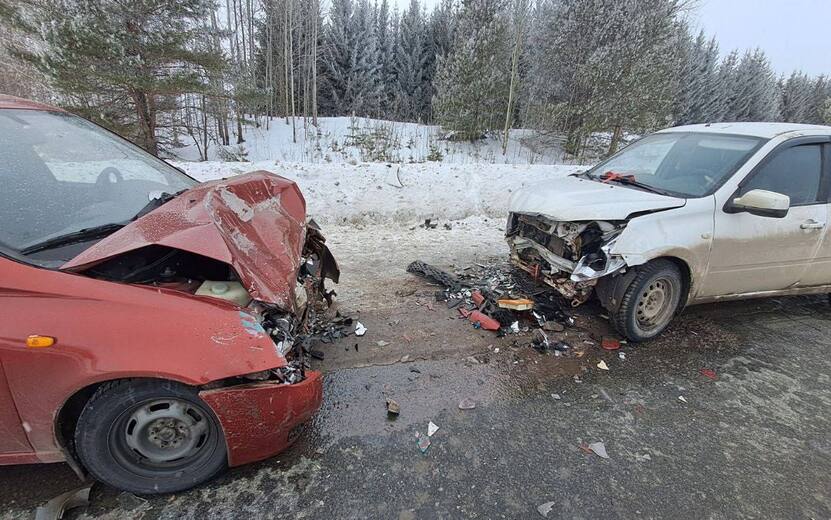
(823, 191)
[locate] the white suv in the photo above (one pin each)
(687, 215)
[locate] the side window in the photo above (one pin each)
(794, 172)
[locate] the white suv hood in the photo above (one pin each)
(573, 199)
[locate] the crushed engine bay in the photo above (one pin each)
(568, 256)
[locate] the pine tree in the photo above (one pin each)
(338, 43)
(796, 95)
(410, 65)
(750, 87)
(365, 90)
(110, 54)
(386, 58)
(472, 81)
(698, 98)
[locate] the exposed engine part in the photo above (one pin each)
(569, 256)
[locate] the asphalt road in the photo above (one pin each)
(753, 443)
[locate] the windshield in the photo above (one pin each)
(62, 174)
(686, 164)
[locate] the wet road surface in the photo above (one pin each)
(755, 442)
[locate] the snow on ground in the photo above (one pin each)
(352, 140)
(378, 193)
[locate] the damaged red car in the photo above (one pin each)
(151, 327)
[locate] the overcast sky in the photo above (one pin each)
(793, 33)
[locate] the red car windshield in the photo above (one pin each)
(63, 176)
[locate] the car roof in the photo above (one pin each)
(12, 102)
(766, 130)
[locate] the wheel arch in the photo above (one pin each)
(610, 289)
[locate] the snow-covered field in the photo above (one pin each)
(353, 140)
(378, 193)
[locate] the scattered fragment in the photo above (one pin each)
(423, 442)
(546, 508)
(556, 397)
(609, 344)
(393, 407)
(432, 428)
(577, 379)
(515, 327)
(360, 330)
(599, 449)
(55, 508)
(496, 350)
(522, 304)
(709, 373)
(642, 458)
(467, 404)
(622, 355)
(405, 358)
(602, 365)
(317, 354)
(553, 326)
(561, 346)
(477, 298)
(682, 398)
(483, 321)
(382, 343)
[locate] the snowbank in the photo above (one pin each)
(371, 193)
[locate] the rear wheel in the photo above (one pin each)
(147, 437)
(650, 302)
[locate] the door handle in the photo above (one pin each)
(812, 224)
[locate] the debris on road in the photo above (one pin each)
(682, 398)
(708, 373)
(467, 404)
(432, 428)
(553, 326)
(545, 509)
(382, 343)
(556, 397)
(423, 442)
(317, 354)
(393, 408)
(599, 449)
(522, 304)
(609, 344)
(602, 365)
(622, 356)
(360, 330)
(55, 508)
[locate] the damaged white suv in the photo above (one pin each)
(687, 215)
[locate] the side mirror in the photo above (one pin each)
(763, 203)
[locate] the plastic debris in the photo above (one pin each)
(467, 404)
(405, 358)
(483, 321)
(317, 354)
(522, 304)
(545, 509)
(423, 442)
(599, 449)
(382, 343)
(477, 298)
(360, 330)
(622, 355)
(556, 397)
(609, 344)
(515, 327)
(393, 408)
(709, 373)
(432, 428)
(553, 326)
(682, 398)
(602, 365)
(55, 508)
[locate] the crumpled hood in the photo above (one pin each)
(255, 222)
(575, 199)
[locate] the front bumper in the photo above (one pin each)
(258, 418)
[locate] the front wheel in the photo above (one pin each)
(650, 302)
(148, 437)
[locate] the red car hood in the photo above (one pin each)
(255, 222)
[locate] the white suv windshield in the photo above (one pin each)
(61, 175)
(686, 164)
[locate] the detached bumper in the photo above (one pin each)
(258, 418)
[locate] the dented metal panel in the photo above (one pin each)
(254, 222)
(258, 418)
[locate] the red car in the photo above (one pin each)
(150, 326)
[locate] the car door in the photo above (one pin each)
(752, 253)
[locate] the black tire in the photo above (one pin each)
(634, 318)
(148, 436)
